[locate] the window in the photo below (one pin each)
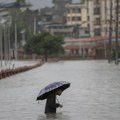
(68, 10)
(73, 18)
(78, 18)
(97, 31)
(79, 10)
(97, 21)
(68, 18)
(76, 10)
(73, 10)
(88, 17)
(97, 11)
(87, 32)
(97, 2)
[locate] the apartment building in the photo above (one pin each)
(99, 17)
(59, 12)
(77, 15)
(60, 29)
(97, 14)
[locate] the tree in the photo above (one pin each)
(45, 44)
(21, 1)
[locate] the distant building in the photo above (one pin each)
(59, 14)
(61, 29)
(89, 17)
(99, 17)
(47, 14)
(54, 19)
(59, 6)
(93, 47)
(77, 15)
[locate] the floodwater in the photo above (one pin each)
(94, 93)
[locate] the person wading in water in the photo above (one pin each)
(51, 105)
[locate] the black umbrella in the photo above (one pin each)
(53, 86)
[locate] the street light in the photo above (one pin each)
(116, 31)
(3, 22)
(110, 33)
(34, 27)
(1, 45)
(8, 37)
(15, 51)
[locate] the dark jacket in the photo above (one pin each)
(51, 104)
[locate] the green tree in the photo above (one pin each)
(45, 44)
(21, 1)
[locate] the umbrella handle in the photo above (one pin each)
(57, 100)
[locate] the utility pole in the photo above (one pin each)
(110, 33)
(34, 26)
(9, 44)
(116, 32)
(105, 42)
(15, 51)
(1, 45)
(5, 42)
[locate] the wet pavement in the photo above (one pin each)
(94, 93)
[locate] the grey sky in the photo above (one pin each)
(36, 3)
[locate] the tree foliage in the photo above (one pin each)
(45, 44)
(21, 1)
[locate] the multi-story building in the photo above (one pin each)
(99, 17)
(98, 13)
(60, 29)
(59, 13)
(77, 14)
(54, 19)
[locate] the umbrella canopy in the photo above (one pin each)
(53, 86)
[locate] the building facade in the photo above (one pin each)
(59, 13)
(99, 17)
(60, 29)
(77, 15)
(99, 13)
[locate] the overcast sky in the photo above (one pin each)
(36, 3)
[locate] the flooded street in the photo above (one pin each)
(94, 93)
